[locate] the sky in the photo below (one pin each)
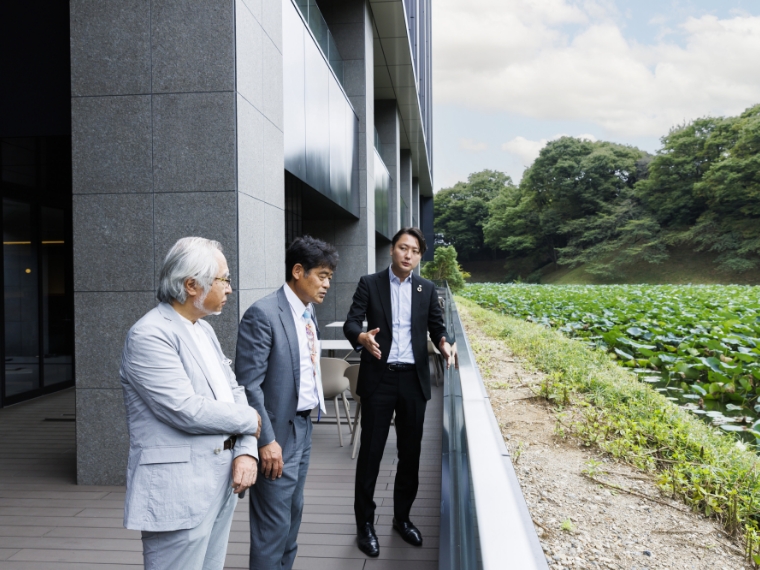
(510, 75)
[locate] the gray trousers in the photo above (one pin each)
(203, 547)
(276, 505)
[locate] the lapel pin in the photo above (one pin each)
(419, 288)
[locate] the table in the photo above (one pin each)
(332, 345)
(340, 324)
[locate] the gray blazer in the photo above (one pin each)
(268, 364)
(176, 426)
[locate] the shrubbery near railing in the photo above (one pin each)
(609, 408)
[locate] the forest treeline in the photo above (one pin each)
(607, 205)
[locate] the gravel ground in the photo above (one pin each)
(584, 523)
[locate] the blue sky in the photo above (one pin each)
(511, 74)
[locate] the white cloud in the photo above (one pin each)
(527, 150)
(569, 60)
(524, 149)
(472, 146)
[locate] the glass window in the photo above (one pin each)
(56, 308)
(22, 363)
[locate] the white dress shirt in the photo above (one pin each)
(218, 381)
(401, 307)
(308, 395)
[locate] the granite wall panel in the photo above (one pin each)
(193, 45)
(113, 242)
(111, 144)
(102, 438)
(110, 47)
(249, 39)
(101, 322)
(194, 142)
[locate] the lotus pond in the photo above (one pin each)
(697, 344)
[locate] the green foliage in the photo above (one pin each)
(606, 206)
(514, 226)
(576, 197)
(698, 344)
(445, 267)
(687, 153)
(616, 413)
(461, 211)
(731, 192)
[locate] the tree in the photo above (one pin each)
(730, 190)
(461, 211)
(446, 267)
(514, 225)
(687, 153)
(567, 201)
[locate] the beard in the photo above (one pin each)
(198, 304)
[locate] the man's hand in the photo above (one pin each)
(244, 470)
(367, 340)
(449, 352)
(258, 431)
(270, 456)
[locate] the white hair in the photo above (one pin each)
(189, 258)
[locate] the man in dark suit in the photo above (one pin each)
(278, 364)
(400, 309)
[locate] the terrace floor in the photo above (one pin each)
(48, 522)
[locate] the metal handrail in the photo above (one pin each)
(316, 23)
(485, 522)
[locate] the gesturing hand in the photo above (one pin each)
(449, 353)
(270, 456)
(244, 470)
(367, 340)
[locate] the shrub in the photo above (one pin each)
(445, 267)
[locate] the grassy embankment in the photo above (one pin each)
(683, 266)
(605, 406)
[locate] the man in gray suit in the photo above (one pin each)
(192, 434)
(278, 363)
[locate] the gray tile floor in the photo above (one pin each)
(48, 522)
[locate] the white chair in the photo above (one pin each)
(352, 374)
(334, 384)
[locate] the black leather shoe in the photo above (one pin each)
(408, 532)
(367, 540)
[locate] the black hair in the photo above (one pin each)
(310, 253)
(415, 233)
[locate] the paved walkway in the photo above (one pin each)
(48, 522)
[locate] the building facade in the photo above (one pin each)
(246, 121)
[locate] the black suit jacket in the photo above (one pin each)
(372, 301)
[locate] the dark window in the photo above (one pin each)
(37, 308)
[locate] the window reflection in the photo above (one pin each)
(22, 366)
(37, 310)
(56, 316)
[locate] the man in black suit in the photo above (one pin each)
(400, 308)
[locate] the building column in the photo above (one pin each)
(159, 133)
(387, 123)
(260, 151)
(416, 202)
(405, 188)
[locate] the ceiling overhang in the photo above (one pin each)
(395, 78)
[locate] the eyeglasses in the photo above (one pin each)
(227, 280)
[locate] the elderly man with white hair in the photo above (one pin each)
(192, 434)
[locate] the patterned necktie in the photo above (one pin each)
(311, 336)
